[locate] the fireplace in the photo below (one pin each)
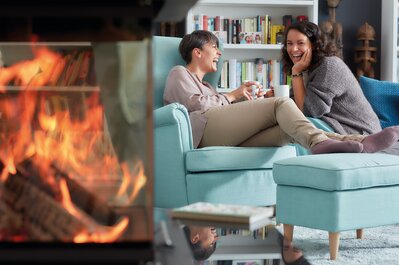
(76, 131)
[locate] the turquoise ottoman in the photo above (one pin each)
(337, 192)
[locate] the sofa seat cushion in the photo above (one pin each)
(222, 158)
(335, 172)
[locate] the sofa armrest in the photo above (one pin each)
(321, 124)
(172, 139)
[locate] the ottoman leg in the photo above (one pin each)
(334, 244)
(288, 232)
(359, 233)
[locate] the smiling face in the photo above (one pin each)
(297, 44)
(208, 57)
(209, 236)
(206, 235)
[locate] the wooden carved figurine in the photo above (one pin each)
(365, 55)
(332, 30)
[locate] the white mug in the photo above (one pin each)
(254, 88)
(282, 91)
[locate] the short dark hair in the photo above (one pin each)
(319, 49)
(196, 39)
(200, 253)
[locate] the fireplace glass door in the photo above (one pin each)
(75, 143)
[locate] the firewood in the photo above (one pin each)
(39, 209)
(81, 197)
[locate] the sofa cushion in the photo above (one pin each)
(222, 158)
(343, 171)
(384, 99)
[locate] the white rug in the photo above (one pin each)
(379, 246)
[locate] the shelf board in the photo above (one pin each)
(252, 46)
(54, 88)
(258, 2)
(78, 43)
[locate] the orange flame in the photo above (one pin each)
(31, 73)
(76, 143)
(135, 178)
(102, 234)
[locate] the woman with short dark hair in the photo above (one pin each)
(202, 241)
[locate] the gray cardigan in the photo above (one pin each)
(334, 95)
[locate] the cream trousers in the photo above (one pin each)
(263, 122)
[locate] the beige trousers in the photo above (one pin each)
(263, 122)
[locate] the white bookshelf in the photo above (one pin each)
(240, 248)
(389, 40)
(238, 9)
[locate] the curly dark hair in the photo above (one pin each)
(196, 39)
(320, 49)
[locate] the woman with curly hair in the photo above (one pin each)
(323, 85)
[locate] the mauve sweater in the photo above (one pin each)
(184, 87)
(334, 95)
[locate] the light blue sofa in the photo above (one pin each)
(219, 174)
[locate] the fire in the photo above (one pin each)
(135, 178)
(62, 128)
(101, 234)
(31, 74)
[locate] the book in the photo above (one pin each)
(243, 216)
(232, 73)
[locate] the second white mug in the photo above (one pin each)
(282, 91)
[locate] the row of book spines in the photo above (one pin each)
(262, 232)
(74, 68)
(234, 27)
(269, 73)
(70, 68)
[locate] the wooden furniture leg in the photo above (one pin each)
(334, 244)
(288, 232)
(359, 233)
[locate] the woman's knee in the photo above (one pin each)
(279, 101)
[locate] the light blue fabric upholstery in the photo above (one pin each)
(338, 192)
(339, 210)
(333, 172)
(214, 158)
(384, 98)
(184, 175)
(246, 187)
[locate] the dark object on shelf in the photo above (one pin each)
(365, 55)
(332, 30)
(301, 18)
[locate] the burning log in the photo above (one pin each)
(39, 203)
(81, 197)
(89, 203)
(41, 211)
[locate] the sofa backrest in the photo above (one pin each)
(165, 53)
